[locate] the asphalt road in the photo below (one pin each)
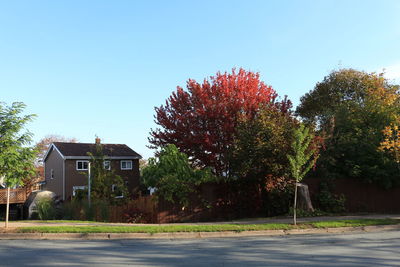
(360, 249)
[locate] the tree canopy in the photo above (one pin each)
(105, 184)
(350, 109)
(16, 157)
(261, 145)
(172, 176)
(201, 121)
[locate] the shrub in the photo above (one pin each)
(135, 215)
(279, 195)
(46, 209)
(328, 201)
(72, 210)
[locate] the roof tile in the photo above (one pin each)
(82, 149)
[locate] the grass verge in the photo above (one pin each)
(152, 229)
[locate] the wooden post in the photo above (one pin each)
(7, 206)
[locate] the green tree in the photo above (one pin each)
(16, 158)
(302, 159)
(105, 184)
(172, 175)
(350, 108)
(261, 145)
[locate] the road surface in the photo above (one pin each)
(355, 249)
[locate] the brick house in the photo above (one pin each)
(66, 166)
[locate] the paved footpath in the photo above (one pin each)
(190, 235)
(361, 249)
(241, 221)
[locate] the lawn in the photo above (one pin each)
(151, 229)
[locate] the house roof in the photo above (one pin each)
(75, 150)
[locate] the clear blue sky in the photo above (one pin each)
(91, 68)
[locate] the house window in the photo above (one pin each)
(82, 165)
(117, 192)
(75, 189)
(52, 173)
(126, 164)
(107, 165)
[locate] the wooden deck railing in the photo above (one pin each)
(16, 195)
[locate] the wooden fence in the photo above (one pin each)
(17, 195)
(213, 202)
(361, 196)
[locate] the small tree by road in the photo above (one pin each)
(16, 158)
(106, 185)
(302, 159)
(172, 176)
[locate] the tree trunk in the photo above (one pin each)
(7, 206)
(295, 203)
(304, 198)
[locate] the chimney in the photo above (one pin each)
(97, 140)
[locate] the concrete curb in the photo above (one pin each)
(192, 235)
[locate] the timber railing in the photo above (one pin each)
(17, 195)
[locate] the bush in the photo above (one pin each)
(46, 209)
(102, 210)
(70, 210)
(135, 215)
(78, 209)
(279, 195)
(328, 201)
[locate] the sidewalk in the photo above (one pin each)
(15, 224)
(194, 235)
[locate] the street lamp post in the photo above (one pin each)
(89, 184)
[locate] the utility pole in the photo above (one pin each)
(89, 202)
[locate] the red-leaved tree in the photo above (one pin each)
(201, 120)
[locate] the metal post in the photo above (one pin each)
(89, 184)
(8, 205)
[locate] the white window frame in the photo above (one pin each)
(113, 187)
(109, 165)
(126, 161)
(83, 161)
(76, 188)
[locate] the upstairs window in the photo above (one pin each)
(126, 164)
(82, 165)
(107, 165)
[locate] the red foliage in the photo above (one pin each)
(201, 121)
(135, 215)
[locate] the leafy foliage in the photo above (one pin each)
(302, 159)
(350, 109)
(391, 142)
(328, 201)
(202, 121)
(172, 175)
(46, 209)
(261, 145)
(41, 148)
(43, 145)
(16, 159)
(134, 215)
(104, 181)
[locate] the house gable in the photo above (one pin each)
(54, 172)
